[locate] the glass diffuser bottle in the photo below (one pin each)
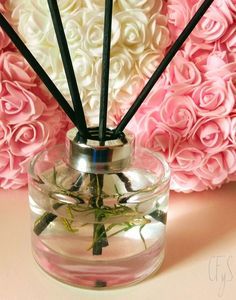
(98, 212)
(98, 204)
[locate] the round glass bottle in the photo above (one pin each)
(98, 212)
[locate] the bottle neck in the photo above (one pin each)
(91, 157)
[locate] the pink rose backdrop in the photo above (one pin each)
(190, 116)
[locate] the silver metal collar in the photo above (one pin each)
(91, 157)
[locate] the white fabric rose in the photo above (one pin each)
(145, 5)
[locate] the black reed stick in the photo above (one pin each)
(105, 70)
(161, 68)
(68, 66)
(38, 69)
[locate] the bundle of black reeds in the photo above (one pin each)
(77, 115)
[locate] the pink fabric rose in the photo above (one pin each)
(232, 6)
(155, 97)
(214, 98)
(28, 137)
(183, 74)
(9, 164)
(211, 135)
(211, 27)
(178, 112)
(197, 54)
(14, 67)
(217, 167)
(182, 181)
(224, 7)
(5, 131)
(187, 158)
(233, 130)
(218, 65)
(13, 183)
(1, 6)
(17, 104)
(155, 135)
(178, 16)
(4, 39)
(230, 38)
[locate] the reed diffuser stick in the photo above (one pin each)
(105, 70)
(161, 68)
(68, 66)
(38, 69)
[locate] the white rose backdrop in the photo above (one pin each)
(139, 39)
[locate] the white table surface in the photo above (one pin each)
(200, 258)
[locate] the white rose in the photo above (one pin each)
(50, 60)
(41, 6)
(68, 6)
(160, 37)
(149, 61)
(95, 4)
(91, 106)
(61, 83)
(133, 31)
(74, 33)
(121, 68)
(93, 38)
(33, 27)
(145, 5)
(84, 68)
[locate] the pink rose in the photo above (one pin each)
(13, 183)
(211, 135)
(5, 131)
(9, 164)
(151, 133)
(178, 16)
(218, 65)
(232, 83)
(214, 98)
(233, 130)
(224, 7)
(182, 181)
(182, 74)
(230, 159)
(18, 105)
(230, 38)
(211, 27)
(155, 98)
(1, 6)
(45, 96)
(197, 54)
(4, 39)
(15, 68)
(232, 6)
(178, 112)
(28, 138)
(216, 168)
(187, 158)
(53, 115)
